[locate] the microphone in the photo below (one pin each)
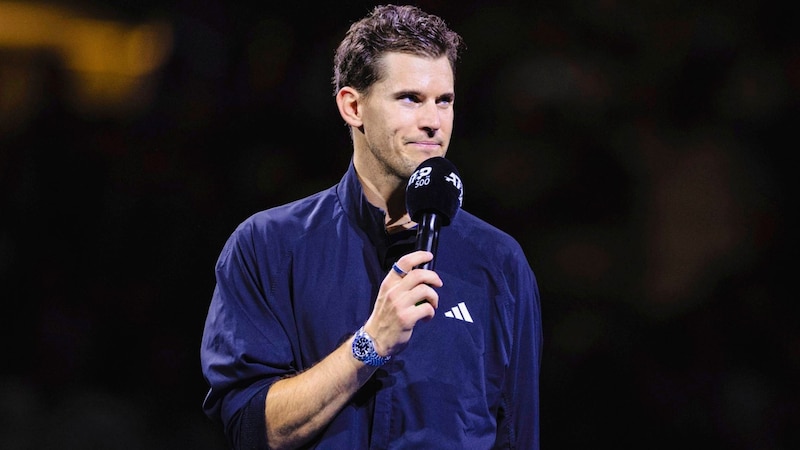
(433, 196)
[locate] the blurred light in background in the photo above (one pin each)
(109, 65)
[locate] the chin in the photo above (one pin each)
(412, 164)
(413, 161)
(426, 155)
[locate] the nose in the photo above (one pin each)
(429, 117)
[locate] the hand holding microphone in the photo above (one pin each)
(433, 196)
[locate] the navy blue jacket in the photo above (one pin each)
(295, 281)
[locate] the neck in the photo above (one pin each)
(396, 217)
(383, 191)
(403, 223)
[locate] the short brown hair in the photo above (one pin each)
(390, 28)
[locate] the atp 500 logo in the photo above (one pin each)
(421, 177)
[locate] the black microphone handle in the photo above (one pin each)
(428, 236)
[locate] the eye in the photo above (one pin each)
(445, 100)
(409, 98)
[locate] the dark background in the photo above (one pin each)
(639, 151)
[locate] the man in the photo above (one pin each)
(444, 359)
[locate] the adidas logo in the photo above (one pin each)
(459, 312)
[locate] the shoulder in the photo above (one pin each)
(478, 247)
(284, 225)
(295, 217)
(482, 236)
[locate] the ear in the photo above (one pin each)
(347, 100)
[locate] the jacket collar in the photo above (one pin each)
(365, 215)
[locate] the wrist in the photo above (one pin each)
(363, 349)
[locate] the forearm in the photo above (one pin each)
(297, 408)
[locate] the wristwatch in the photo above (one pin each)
(364, 350)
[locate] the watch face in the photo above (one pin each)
(362, 347)
(364, 350)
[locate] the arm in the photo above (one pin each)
(297, 408)
(520, 424)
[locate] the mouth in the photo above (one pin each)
(427, 145)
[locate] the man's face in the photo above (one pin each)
(408, 115)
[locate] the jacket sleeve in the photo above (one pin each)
(244, 347)
(518, 424)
